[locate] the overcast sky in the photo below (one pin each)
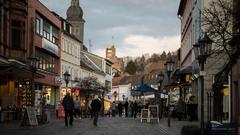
(135, 27)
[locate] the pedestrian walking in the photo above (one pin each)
(56, 109)
(89, 109)
(68, 109)
(113, 108)
(120, 109)
(77, 108)
(96, 106)
(132, 108)
(126, 108)
(135, 109)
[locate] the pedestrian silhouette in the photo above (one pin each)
(68, 109)
(120, 109)
(126, 108)
(77, 108)
(96, 107)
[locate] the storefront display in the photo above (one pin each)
(26, 94)
(47, 95)
(63, 92)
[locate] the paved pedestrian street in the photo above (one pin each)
(106, 126)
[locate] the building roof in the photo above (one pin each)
(89, 65)
(116, 80)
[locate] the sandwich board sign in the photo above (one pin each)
(153, 113)
(30, 117)
(144, 115)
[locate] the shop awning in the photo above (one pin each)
(19, 73)
(17, 70)
(144, 90)
(182, 71)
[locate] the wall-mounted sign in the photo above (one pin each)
(49, 46)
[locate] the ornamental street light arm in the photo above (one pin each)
(202, 50)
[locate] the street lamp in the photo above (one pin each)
(202, 50)
(66, 78)
(169, 68)
(161, 78)
(123, 96)
(115, 95)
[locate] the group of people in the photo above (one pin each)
(129, 109)
(73, 108)
(124, 108)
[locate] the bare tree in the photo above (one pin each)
(217, 21)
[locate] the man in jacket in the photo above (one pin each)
(68, 109)
(96, 106)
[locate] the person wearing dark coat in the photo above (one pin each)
(96, 107)
(135, 109)
(132, 109)
(120, 109)
(126, 108)
(68, 105)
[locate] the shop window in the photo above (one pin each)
(38, 26)
(47, 62)
(54, 35)
(16, 38)
(46, 30)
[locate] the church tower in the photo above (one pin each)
(75, 17)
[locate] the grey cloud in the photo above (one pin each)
(120, 18)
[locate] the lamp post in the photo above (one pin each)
(169, 68)
(34, 64)
(202, 50)
(67, 79)
(123, 97)
(115, 95)
(161, 78)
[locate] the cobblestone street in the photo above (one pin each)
(106, 126)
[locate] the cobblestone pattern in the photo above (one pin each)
(106, 126)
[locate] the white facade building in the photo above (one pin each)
(70, 58)
(123, 92)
